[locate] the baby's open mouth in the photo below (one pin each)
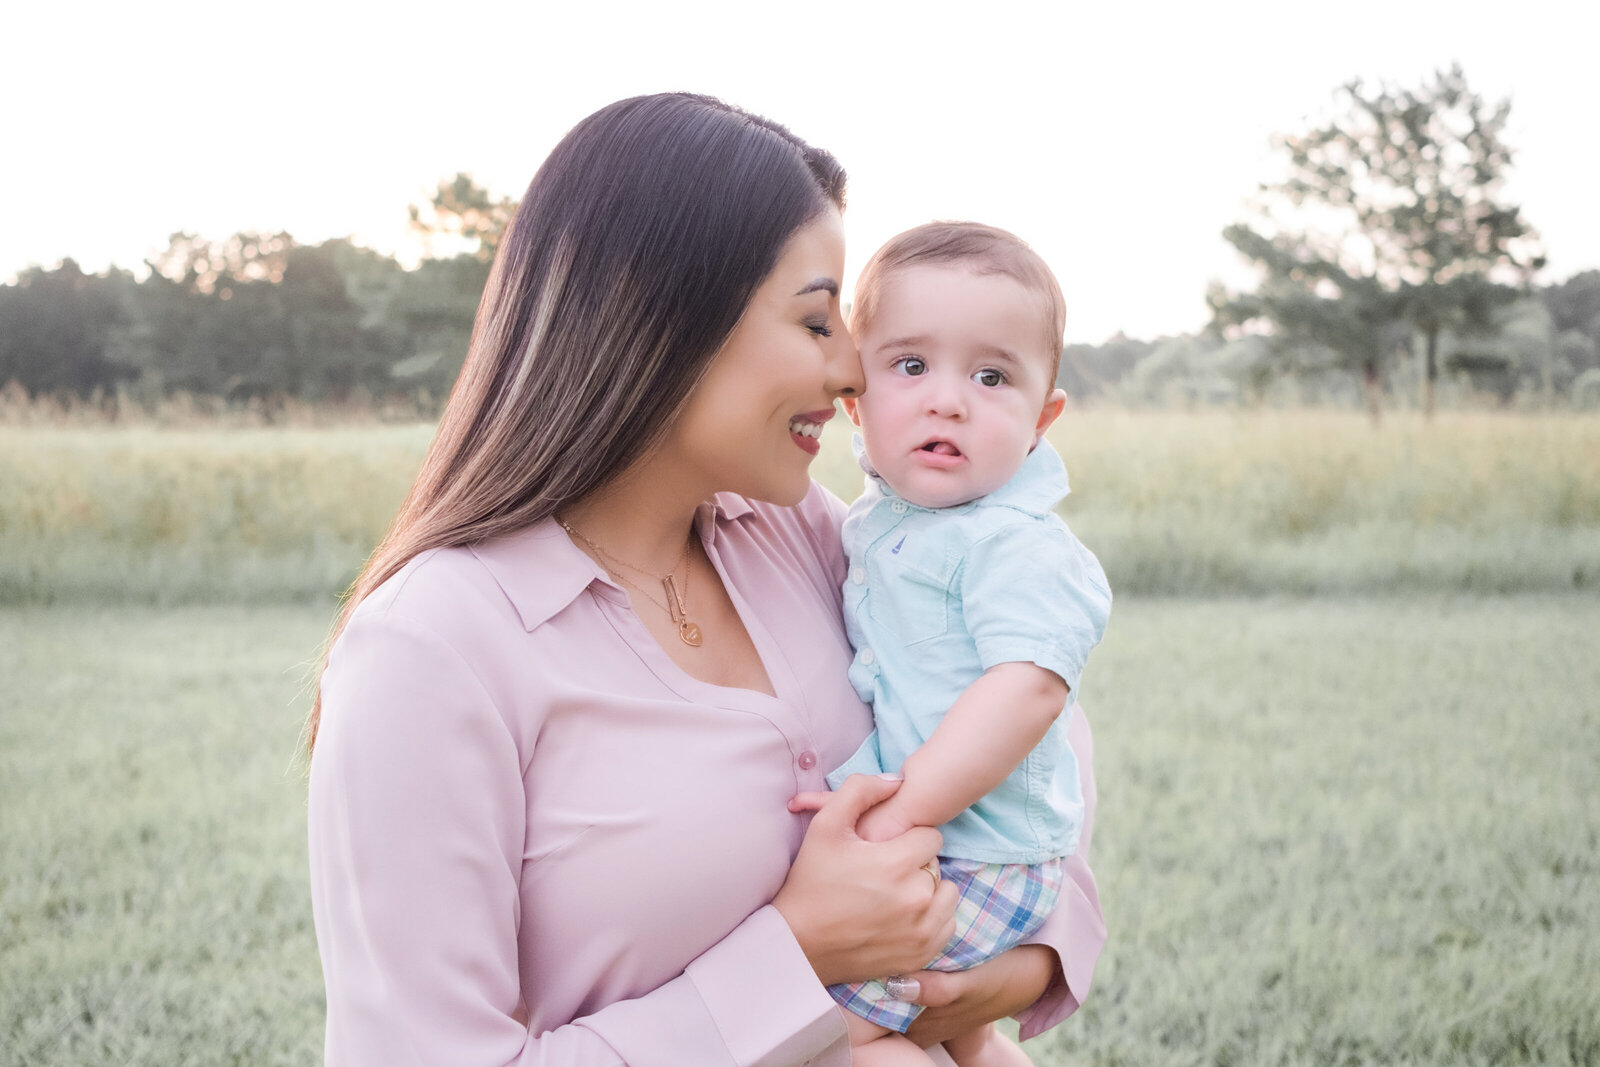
(943, 448)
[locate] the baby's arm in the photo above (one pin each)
(984, 736)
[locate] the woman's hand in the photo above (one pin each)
(861, 909)
(881, 822)
(960, 1001)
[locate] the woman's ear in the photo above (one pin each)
(1054, 405)
(849, 403)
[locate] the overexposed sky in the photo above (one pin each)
(1118, 139)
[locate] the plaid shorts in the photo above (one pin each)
(1000, 905)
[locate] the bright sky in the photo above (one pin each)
(1119, 139)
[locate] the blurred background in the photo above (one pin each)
(1333, 348)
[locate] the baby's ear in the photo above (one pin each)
(849, 403)
(1054, 404)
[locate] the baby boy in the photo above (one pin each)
(971, 607)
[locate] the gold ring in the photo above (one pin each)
(932, 867)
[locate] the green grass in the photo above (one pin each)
(153, 897)
(1174, 503)
(1348, 831)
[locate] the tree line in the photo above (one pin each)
(257, 317)
(1389, 260)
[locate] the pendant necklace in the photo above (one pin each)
(677, 604)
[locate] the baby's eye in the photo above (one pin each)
(911, 366)
(990, 377)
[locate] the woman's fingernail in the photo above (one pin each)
(892, 777)
(905, 989)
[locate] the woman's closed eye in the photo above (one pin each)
(819, 327)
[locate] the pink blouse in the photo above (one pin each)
(535, 840)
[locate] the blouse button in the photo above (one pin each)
(899, 506)
(858, 575)
(808, 760)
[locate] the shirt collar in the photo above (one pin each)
(541, 571)
(1037, 487)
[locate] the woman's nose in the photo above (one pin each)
(844, 375)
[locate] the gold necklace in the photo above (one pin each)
(677, 605)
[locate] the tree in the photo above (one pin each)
(255, 318)
(331, 349)
(57, 330)
(463, 213)
(217, 266)
(436, 305)
(1392, 211)
(1091, 370)
(1314, 311)
(1575, 305)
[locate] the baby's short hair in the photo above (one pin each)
(985, 250)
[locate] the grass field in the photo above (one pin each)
(153, 897)
(1332, 831)
(1174, 503)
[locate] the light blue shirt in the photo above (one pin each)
(936, 596)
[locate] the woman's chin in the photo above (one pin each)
(785, 493)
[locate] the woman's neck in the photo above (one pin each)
(642, 518)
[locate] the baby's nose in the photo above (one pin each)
(944, 397)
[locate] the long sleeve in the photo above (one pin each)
(1076, 930)
(418, 831)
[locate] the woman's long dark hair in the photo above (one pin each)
(630, 260)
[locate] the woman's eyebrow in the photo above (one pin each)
(827, 285)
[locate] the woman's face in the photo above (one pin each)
(751, 426)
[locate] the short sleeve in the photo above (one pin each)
(1031, 592)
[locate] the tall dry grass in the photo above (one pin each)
(1315, 501)
(1173, 503)
(1318, 501)
(193, 515)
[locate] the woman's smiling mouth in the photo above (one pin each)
(806, 430)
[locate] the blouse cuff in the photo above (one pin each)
(766, 1000)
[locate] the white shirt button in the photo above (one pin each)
(868, 656)
(807, 760)
(899, 505)
(858, 576)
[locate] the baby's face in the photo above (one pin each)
(958, 387)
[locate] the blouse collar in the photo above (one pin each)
(541, 571)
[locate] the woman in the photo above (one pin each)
(601, 648)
